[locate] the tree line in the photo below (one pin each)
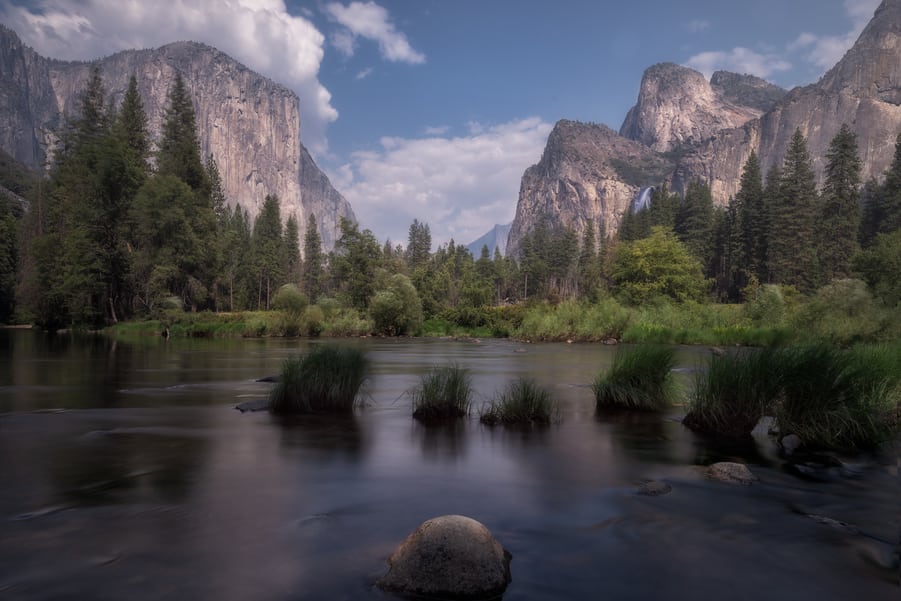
(123, 227)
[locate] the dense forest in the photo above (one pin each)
(122, 227)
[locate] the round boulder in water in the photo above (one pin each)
(732, 473)
(451, 556)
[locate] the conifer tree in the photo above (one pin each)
(179, 146)
(268, 250)
(419, 245)
(839, 219)
(291, 249)
(791, 250)
(750, 223)
(890, 205)
(313, 260)
(872, 212)
(589, 266)
(694, 222)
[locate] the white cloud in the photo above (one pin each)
(364, 73)
(436, 130)
(260, 33)
(461, 186)
(738, 60)
(370, 21)
(824, 51)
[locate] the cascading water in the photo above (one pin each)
(642, 201)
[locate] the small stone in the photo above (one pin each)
(654, 488)
(731, 473)
(451, 556)
(791, 443)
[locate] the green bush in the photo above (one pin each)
(396, 310)
(842, 313)
(312, 321)
(522, 402)
(290, 300)
(443, 392)
(640, 378)
(326, 380)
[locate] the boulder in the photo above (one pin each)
(451, 556)
(791, 443)
(654, 488)
(731, 473)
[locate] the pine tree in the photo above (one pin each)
(131, 128)
(291, 249)
(890, 209)
(770, 201)
(791, 251)
(268, 250)
(694, 222)
(313, 260)
(419, 245)
(354, 260)
(749, 220)
(217, 192)
(179, 146)
(872, 213)
(839, 219)
(589, 266)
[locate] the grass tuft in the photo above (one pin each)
(640, 378)
(522, 402)
(443, 392)
(327, 380)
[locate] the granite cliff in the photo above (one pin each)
(706, 130)
(250, 124)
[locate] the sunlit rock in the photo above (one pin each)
(731, 473)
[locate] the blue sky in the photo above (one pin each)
(432, 109)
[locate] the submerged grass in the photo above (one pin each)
(444, 392)
(640, 378)
(327, 380)
(522, 402)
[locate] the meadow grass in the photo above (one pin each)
(326, 380)
(444, 392)
(521, 402)
(640, 378)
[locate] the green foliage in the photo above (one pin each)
(268, 250)
(178, 152)
(444, 392)
(694, 222)
(290, 300)
(571, 320)
(521, 402)
(658, 265)
(419, 245)
(842, 313)
(839, 218)
(765, 306)
(734, 392)
(880, 266)
(8, 260)
(326, 380)
(396, 310)
(643, 173)
(640, 378)
(313, 260)
(353, 263)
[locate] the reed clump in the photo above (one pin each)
(326, 380)
(444, 392)
(521, 402)
(640, 379)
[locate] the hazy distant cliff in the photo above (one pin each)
(708, 130)
(249, 123)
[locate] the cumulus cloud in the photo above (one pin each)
(738, 60)
(260, 33)
(824, 51)
(370, 21)
(460, 186)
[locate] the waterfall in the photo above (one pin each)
(642, 201)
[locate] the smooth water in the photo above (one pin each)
(127, 474)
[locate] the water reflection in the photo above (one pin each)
(441, 442)
(321, 437)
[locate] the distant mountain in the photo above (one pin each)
(249, 123)
(684, 128)
(496, 237)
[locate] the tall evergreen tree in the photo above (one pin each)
(839, 218)
(291, 249)
(791, 248)
(268, 250)
(872, 213)
(313, 260)
(694, 222)
(8, 260)
(354, 260)
(890, 205)
(131, 128)
(179, 146)
(419, 245)
(750, 223)
(217, 193)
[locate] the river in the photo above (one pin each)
(127, 474)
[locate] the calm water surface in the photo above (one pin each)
(127, 473)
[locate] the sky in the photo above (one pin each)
(432, 109)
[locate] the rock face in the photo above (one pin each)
(677, 106)
(711, 129)
(587, 172)
(250, 124)
(862, 90)
(451, 556)
(495, 238)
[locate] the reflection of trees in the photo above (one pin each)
(641, 435)
(324, 436)
(443, 441)
(128, 465)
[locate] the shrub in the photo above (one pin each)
(734, 392)
(443, 392)
(640, 378)
(327, 380)
(311, 324)
(522, 402)
(290, 300)
(396, 310)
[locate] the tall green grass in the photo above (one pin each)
(734, 392)
(327, 380)
(640, 378)
(522, 402)
(444, 392)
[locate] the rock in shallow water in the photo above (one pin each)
(730, 472)
(451, 556)
(654, 488)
